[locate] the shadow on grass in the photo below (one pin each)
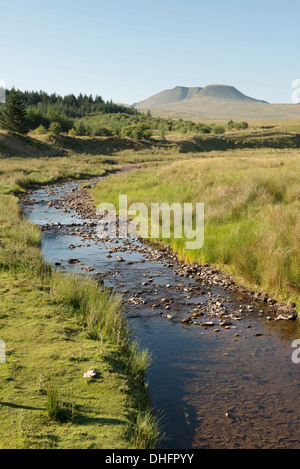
(95, 145)
(84, 420)
(17, 406)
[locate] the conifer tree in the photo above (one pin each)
(13, 116)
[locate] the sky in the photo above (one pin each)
(129, 50)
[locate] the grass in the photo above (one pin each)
(56, 327)
(98, 313)
(252, 202)
(21, 173)
(52, 403)
(48, 351)
(145, 431)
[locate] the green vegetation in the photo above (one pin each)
(237, 125)
(54, 128)
(56, 327)
(251, 211)
(138, 126)
(13, 116)
(69, 105)
(35, 109)
(88, 116)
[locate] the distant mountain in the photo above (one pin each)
(215, 102)
(168, 97)
(227, 92)
(182, 93)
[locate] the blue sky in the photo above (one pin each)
(129, 50)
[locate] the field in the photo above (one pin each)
(252, 202)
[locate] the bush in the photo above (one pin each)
(244, 125)
(138, 132)
(55, 128)
(65, 123)
(36, 118)
(218, 129)
(237, 125)
(82, 130)
(40, 130)
(103, 132)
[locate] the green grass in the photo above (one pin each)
(48, 351)
(252, 202)
(21, 173)
(56, 327)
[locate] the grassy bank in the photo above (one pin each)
(47, 145)
(251, 211)
(56, 328)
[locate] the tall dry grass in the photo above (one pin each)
(252, 206)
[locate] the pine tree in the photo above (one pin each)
(13, 116)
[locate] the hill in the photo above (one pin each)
(182, 93)
(215, 102)
(227, 92)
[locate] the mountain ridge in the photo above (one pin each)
(181, 93)
(215, 102)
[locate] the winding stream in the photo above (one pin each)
(215, 387)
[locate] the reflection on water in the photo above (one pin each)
(230, 389)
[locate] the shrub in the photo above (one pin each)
(55, 128)
(218, 129)
(103, 132)
(138, 132)
(40, 130)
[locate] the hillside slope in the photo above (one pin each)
(215, 102)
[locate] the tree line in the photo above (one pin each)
(70, 105)
(27, 110)
(87, 116)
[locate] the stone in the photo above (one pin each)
(119, 259)
(186, 320)
(284, 312)
(90, 374)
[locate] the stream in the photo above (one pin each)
(228, 386)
